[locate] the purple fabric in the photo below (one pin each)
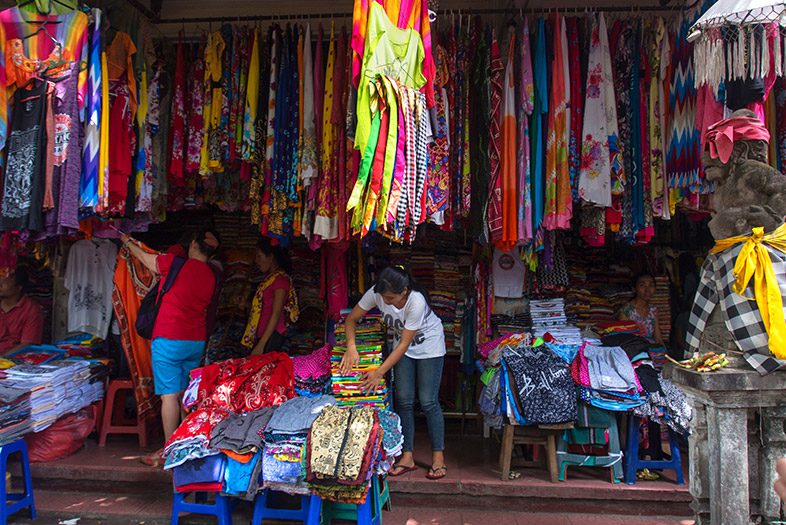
(64, 218)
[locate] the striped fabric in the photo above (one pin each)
(89, 183)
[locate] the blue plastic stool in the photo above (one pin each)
(18, 500)
(633, 463)
(221, 508)
(369, 513)
(308, 513)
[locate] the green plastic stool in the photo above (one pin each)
(380, 497)
(592, 423)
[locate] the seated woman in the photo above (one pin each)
(641, 311)
(274, 307)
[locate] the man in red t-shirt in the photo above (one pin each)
(21, 320)
(180, 330)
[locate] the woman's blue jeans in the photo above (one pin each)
(427, 375)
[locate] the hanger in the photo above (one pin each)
(67, 4)
(43, 28)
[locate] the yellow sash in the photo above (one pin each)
(754, 262)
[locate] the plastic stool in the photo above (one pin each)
(107, 427)
(221, 508)
(633, 463)
(384, 497)
(368, 513)
(308, 513)
(612, 459)
(13, 502)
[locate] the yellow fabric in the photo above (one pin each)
(754, 262)
(103, 146)
(291, 308)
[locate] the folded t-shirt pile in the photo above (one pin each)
(346, 447)
(285, 442)
(606, 378)
(548, 316)
(312, 372)
(14, 413)
(56, 388)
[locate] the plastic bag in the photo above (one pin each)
(66, 436)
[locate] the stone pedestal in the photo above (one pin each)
(738, 434)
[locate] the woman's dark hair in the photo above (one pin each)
(279, 253)
(395, 279)
(640, 276)
(200, 235)
(21, 278)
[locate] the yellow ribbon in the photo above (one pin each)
(754, 262)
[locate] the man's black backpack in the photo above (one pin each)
(148, 308)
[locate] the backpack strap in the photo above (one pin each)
(174, 270)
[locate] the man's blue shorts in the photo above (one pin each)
(173, 362)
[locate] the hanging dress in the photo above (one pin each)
(526, 101)
(496, 87)
(89, 187)
(177, 125)
(122, 113)
(24, 177)
(558, 203)
(509, 233)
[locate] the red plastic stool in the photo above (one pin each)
(107, 427)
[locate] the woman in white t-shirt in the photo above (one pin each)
(418, 356)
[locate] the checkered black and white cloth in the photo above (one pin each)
(740, 312)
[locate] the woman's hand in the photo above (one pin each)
(371, 382)
(349, 360)
(259, 348)
(125, 239)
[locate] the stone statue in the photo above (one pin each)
(748, 191)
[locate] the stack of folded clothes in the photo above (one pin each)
(285, 438)
(606, 379)
(346, 447)
(235, 386)
(312, 372)
(369, 339)
(14, 413)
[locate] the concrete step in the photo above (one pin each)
(138, 509)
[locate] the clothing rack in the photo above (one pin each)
(438, 12)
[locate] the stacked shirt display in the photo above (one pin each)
(548, 316)
(14, 413)
(605, 378)
(285, 443)
(369, 339)
(55, 389)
